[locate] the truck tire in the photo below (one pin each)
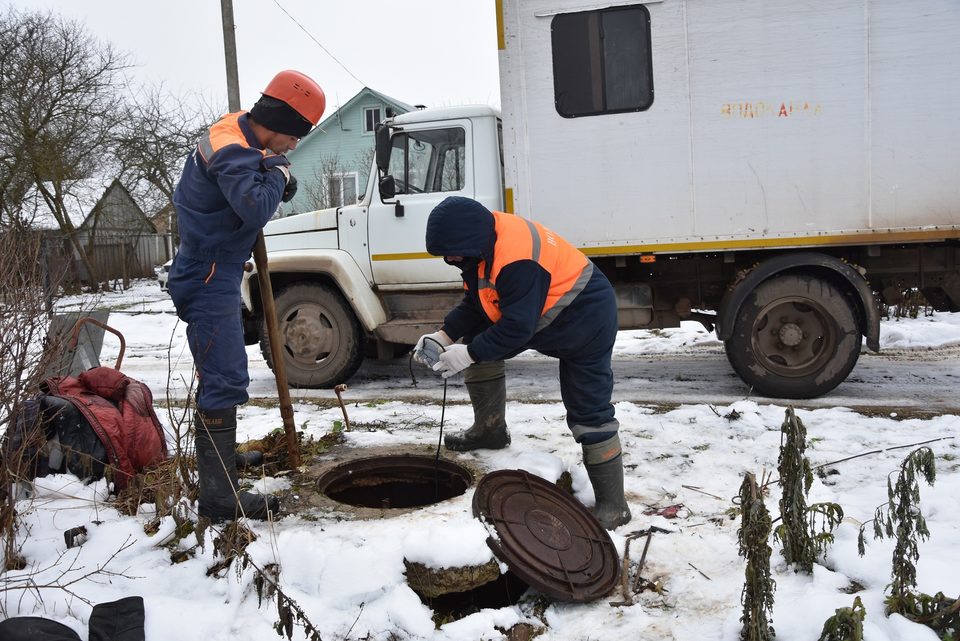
(795, 336)
(322, 338)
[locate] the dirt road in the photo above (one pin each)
(905, 382)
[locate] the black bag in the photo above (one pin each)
(35, 629)
(121, 620)
(51, 436)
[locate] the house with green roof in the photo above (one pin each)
(332, 162)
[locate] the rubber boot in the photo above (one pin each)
(604, 463)
(252, 458)
(487, 387)
(220, 498)
(121, 620)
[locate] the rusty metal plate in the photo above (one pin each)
(546, 537)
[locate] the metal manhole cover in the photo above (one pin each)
(546, 537)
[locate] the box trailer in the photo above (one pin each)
(775, 170)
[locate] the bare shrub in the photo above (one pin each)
(27, 353)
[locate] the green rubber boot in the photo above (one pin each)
(604, 463)
(487, 387)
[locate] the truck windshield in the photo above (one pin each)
(430, 160)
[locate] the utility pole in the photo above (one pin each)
(230, 55)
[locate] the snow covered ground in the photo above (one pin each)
(348, 575)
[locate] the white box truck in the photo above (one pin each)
(773, 169)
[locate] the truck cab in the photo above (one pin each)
(357, 279)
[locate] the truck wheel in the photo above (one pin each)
(322, 338)
(795, 336)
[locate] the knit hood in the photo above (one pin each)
(461, 227)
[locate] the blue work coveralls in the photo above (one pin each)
(229, 189)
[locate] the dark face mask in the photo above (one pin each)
(467, 264)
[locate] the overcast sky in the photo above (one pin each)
(432, 52)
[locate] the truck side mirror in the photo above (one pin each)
(382, 135)
(388, 188)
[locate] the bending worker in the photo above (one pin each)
(527, 288)
(231, 186)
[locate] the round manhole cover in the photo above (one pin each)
(546, 537)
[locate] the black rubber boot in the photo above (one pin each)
(488, 395)
(121, 620)
(220, 498)
(604, 463)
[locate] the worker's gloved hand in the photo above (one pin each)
(428, 348)
(453, 360)
(281, 164)
(285, 170)
(291, 189)
(276, 161)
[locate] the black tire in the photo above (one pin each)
(795, 336)
(322, 338)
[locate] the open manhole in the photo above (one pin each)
(504, 591)
(395, 482)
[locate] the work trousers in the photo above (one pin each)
(207, 298)
(582, 338)
(586, 375)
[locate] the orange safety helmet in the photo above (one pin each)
(300, 92)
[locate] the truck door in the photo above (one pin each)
(428, 163)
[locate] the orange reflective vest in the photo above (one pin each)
(522, 239)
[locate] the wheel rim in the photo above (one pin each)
(310, 335)
(794, 336)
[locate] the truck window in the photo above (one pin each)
(602, 62)
(428, 161)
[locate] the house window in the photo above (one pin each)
(342, 189)
(430, 160)
(371, 116)
(602, 62)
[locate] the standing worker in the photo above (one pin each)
(231, 186)
(528, 288)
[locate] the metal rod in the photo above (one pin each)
(75, 336)
(339, 389)
(637, 582)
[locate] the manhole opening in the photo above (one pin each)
(395, 482)
(499, 593)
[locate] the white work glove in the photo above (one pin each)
(428, 348)
(453, 360)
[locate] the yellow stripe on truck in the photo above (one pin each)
(403, 256)
(717, 245)
(500, 43)
(785, 241)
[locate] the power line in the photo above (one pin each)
(327, 51)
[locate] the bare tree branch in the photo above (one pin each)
(59, 108)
